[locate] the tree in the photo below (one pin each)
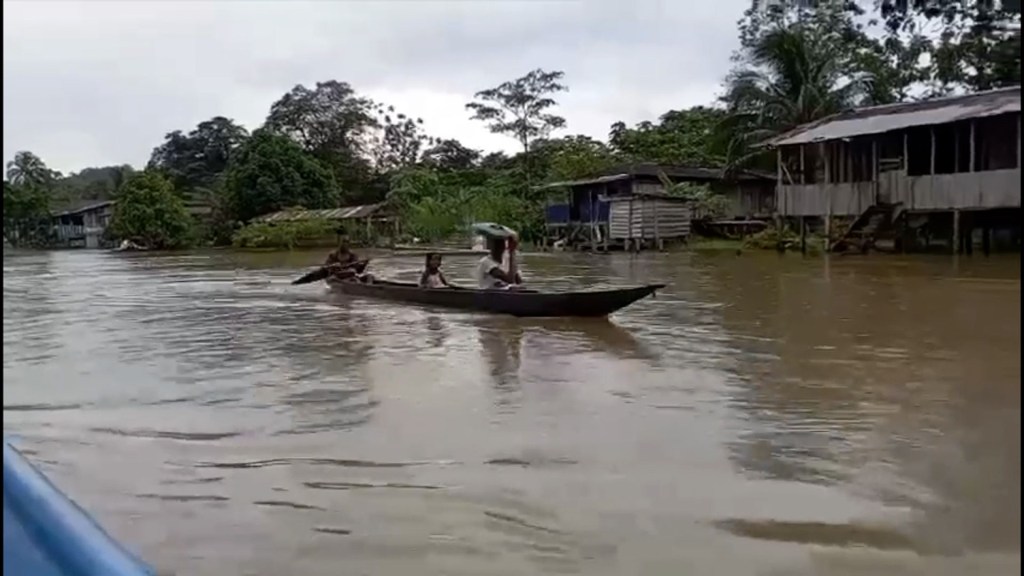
(450, 155)
(978, 43)
(196, 159)
(496, 161)
(705, 204)
(399, 140)
(334, 124)
(681, 137)
(571, 157)
(98, 183)
(270, 173)
(520, 108)
(29, 169)
(148, 211)
(26, 214)
(790, 73)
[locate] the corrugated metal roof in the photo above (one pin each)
(879, 119)
(652, 195)
(585, 182)
(678, 173)
(345, 213)
(82, 207)
(694, 173)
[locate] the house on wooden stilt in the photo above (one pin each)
(628, 206)
(944, 171)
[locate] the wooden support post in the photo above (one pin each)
(657, 235)
(968, 235)
(986, 238)
(956, 148)
(931, 160)
(803, 235)
(826, 153)
(803, 169)
(909, 202)
(629, 235)
(848, 161)
(974, 166)
(779, 194)
(956, 232)
(874, 171)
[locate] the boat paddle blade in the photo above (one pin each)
(320, 273)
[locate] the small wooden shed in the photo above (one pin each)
(647, 218)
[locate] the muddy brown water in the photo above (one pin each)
(763, 415)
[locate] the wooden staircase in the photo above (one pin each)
(879, 222)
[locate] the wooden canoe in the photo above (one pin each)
(522, 303)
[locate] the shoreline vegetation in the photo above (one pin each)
(327, 145)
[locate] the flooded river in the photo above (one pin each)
(764, 415)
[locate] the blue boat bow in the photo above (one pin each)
(46, 534)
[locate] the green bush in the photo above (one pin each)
(291, 234)
(432, 207)
(149, 212)
(706, 205)
(772, 238)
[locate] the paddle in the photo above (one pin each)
(323, 272)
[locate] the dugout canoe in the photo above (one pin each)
(522, 303)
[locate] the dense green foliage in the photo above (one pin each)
(438, 205)
(26, 215)
(270, 173)
(296, 234)
(149, 213)
(194, 161)
(327, 145)
(27, 197)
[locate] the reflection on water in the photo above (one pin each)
(764, 415)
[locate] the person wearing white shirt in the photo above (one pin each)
(489, 273)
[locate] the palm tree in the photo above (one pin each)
(794, 75)
(27, 168)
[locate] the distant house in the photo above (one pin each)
(368, 219)
(364, 212)
(925, 163)
(82, 225)
(592, 211)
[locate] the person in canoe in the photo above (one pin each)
(432, 276)
(345, 265)
(489, 273)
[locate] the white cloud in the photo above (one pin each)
(93, 83)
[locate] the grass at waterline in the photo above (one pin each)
(767, 240)
(713, 244)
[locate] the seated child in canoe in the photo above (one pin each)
(432, 276)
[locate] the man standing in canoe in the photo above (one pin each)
(345, 265)
(489, 273)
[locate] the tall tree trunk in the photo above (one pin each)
(528, 166)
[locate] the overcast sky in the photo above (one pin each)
(96, 83)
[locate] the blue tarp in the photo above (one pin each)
(557, 214)
(46, 534)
